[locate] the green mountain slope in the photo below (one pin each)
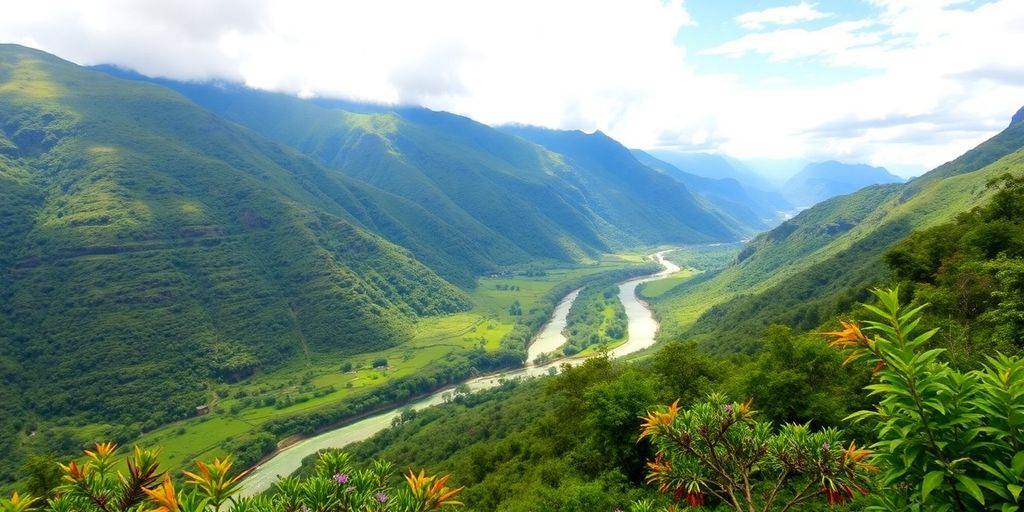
(816, 264)
(519, 201)
(148, 246)
(707, 165)
(726, 195)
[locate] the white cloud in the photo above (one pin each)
(789, 44)
(942, 76)
(785, 15)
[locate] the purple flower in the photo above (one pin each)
(825, 446)
(381, 497)
(341, 478)
(305, 508)
(728, 408)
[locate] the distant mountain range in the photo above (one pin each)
(773, 185)
(820, 181)
(818, 264)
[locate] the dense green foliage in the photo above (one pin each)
(947, 440)
(972, 272)
(596, 319)
(570, 444)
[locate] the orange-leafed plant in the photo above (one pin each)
(430, 491)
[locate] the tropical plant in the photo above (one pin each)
(337, 486)
(947, 440)
(717, 452)
(17, 503)
(95, 484)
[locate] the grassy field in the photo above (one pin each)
(302, 386)
(663, 294)
(658, 288)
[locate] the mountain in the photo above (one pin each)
(775, 170)
(517, 200)
(156, 245)
(148, 245)
(711, 165)
(820, 181)
(765, 194)
(631, 193)
(817, 264)
(726, 195)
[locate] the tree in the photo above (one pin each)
(717, 452)
(44, 475)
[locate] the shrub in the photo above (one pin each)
(717, 452)
(948, 440)
(337, 486)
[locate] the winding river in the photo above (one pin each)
(640, 334)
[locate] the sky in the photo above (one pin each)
(905, 84)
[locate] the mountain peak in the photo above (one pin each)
(1018, 117)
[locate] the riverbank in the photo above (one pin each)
(287, 460)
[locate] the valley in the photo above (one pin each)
(315, 289)
(239, 412)
(640, 335)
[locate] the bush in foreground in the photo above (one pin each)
(96, 485)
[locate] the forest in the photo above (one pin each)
(911, 400)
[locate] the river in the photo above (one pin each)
(640, 334)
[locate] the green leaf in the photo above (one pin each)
(861, 416)
(971, 487)
(930, 482)
(1018, 463)
(1014, 490)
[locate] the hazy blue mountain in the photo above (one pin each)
(766, 196)
(776, 170)
(725, 194)
(822, 180)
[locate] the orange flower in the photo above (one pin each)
(745, 408)
(432, 494)
(695, 499)
(164, 495)
(74, 472)
(659, 472)
(19, 503)
(850, 336)
(857, 456)
(837, 494)
(213, 479)
(654, 422)
(103, 451)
